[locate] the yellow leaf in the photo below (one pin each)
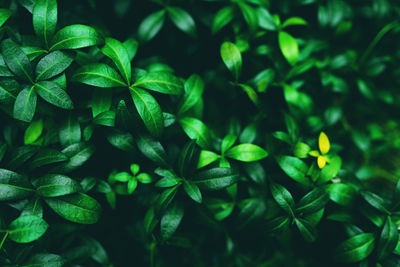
(321, 161)
(323, 143)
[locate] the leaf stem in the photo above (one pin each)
(4, 239)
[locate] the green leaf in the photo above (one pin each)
(206, 157)
(33, 132)
(74, 37)
(4, 15)
(33, 207)
(171, 220)
(52, 64)
(356, 248)
(376, 201)
(26, 229)
(47, 156)
(16, 60)
(131, 46)
(45, 19)
(187, 159)
(182, 20)
(52, 93)
(78, 208)
(144, 178)
(222, 18)
(193, 191)
(149, 110)
(153, 150)
(283, 198)
(278, 224)
(250, 16)
(228, 141)
(70, 131)
(289, 47)
(117, 52)
(306, 229)
(101, 101)
(293, 21)
(162, 82)
(232, 58)
(55, 185)
(106, 118)
(313, 201)
(216, 178)
(341, 193)
(44, 260)
(25, 104)
(265, 20)
(194, 87)
(246, 152)
(78, 154)
(13, 186)
(151, 25)
(121, 140)
(388, 239)
(330, 170)
(196, 129)
(98, 74)
(295, 168)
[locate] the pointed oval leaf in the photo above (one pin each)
(295, 168)
(52, 64)
(388, 239)
(74, 37)
(149, 110)
(16, 60)
(117, 52)
(193, 191)
(44, 16)
(196, 129)
(356, 248)
(54, 94)
(153, 150)
(306, 230)
(183, 20)
(27, 228)
(194, 87)
(25, 104)
(216, 178)
(232, 58)
(283, 198)
(289, 47)
(246, 152)
(162, 82)
(79, 208)
(98, 74)
(13, 186)
(151, 25)
(171, 220)
(55, 185)
(313, 201)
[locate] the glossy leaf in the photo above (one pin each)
(151, 25)
(356, 248)
(98, 74)
(45, 19)
(313, 201)
(74, 37)
(194, 87)
(232, 58)
(162, 82)
(26, 229)
(289, 47)
(25, 104)
(182, 19)
(52, 64)
(294, 168)
(171, 220)
(283, 198)
(193, 191)
(16, 60)
(117, 52)
(13, 186)
(55, 185)
(246, 152)
(388, 239)
(216, 178)
(196, 129)
(52, 93)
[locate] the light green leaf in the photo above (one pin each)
(293, 21)
(27, 228)
(356, 248)
(206, 157)
(289, 47)
(222, 18)
(4, 15)
(246, 152)
(341, 193)
(33, 132)
(74, 37)
(295, 168)
(196, 129)
(162, 82)
(265, 20)
(232, 58)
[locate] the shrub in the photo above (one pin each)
(199, 133)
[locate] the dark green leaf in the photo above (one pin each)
(45, 19)
(4, 15)
(55, 185)
(356, 248)
(78, 154)
(52, 64)
(117, 52)
(306, 229)
(16, 60)
(388, 239)
(182, 20)
(25, 104)
(26, 229)
(295, 168)
(52, 93)
(278, 224)
(375, 201)
(148, 109)
(193, 191)
(187, 158)
(151, 25)
(44, 260)
(222, 18)
(341, 193)
(100, 75)
(216, 178)
(313, 201)
(283, 198)
(194, 87)
(153, 150)
(70, 131)
(46, 157)
(13, 186)
(79, 208)
(171, 220)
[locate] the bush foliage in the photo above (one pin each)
(199, 133)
